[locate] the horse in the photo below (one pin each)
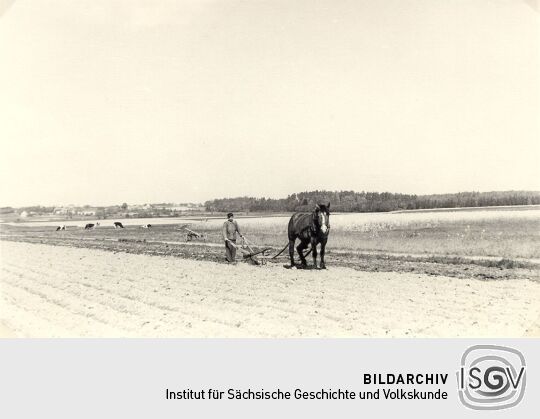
(118, 225)
(90, 226)
(61, 228)
(310, 228)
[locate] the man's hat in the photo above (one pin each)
(230, 214)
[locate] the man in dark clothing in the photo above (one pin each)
(230, 228)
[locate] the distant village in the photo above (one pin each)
(342, 201)
(103, 212)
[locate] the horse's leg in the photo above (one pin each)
(291, 251)
(314, 251)
(323, 246)
(300, 249)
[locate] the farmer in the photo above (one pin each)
(230, 228)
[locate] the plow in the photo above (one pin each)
(259, 255)
(191, 234)
(251, 253)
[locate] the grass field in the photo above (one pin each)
(504, 238)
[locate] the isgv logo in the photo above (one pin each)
(491, 377)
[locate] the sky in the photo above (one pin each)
(111, 101)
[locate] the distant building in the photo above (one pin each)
(24, 214)
(182, 208)
(87, 212)
(70, 209)
(186, 207)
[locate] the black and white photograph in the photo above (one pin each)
(270, 169)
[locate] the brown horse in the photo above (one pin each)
(310, 228)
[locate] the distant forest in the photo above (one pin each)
(350, 201)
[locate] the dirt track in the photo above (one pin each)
(49, 291)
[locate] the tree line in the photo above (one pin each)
(351, 201)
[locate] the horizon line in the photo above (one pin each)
(261, 197)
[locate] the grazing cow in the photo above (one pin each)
(90, 226)
(118, 225)
(146, 226)
(59, 228)
(309, 228)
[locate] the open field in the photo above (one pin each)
(414, 274)
(50, 291)
(485, 244)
